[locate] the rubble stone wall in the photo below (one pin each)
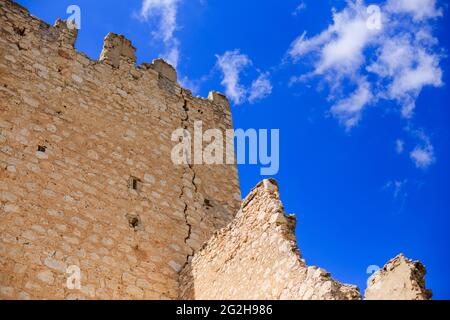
(256, 257)
(400, 279)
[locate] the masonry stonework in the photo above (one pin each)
(73, 132)
(256, 257)
(400, 279)
(87, 180)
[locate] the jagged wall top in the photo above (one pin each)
(117, 50)
(256, 257)
(400, 279)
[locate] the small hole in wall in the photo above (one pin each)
(207, 203)
(134, 222)
(135, 184)
(20, 31)
(42, 149)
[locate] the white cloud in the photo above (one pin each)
(407, 67)
(348, 110)
(261, 88)
(423, 157)
(166, 10)
(399, 146)
(397, 187)
(394, 62)
(423, 153)
(340, 46)
(419, 9)
(232, 64)
(343, 52)
(166, 13)
(299, 8)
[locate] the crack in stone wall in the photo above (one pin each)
(188, 170)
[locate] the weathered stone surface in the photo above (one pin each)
(400, 279)
(72, 133)
(218, 98)
(117, 48)
(165, 69)
(68, 34)
(256, 257)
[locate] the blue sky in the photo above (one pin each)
(363, 112)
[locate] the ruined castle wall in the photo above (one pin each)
(256, 257)
(98, 125)
(400, 279)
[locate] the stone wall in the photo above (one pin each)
(86, 176)
(256, 257)
(400, 279)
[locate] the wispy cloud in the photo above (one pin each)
(397, 187)
(232, 64)
(399, 146)
(300, 7)
(423, 157)
(348, 110)
(261, 88)
(419, 9)
(165, 11)
(400, 57)
(423, 154)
